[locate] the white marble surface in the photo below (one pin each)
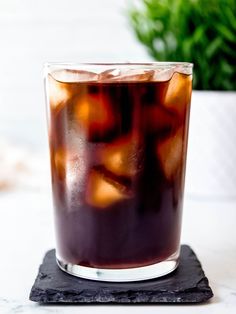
(26, 232)
(26, 225)
(77, 30)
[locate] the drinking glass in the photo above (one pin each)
(118, 140)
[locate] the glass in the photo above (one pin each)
(118, 140)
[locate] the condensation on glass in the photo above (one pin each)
(118, 140)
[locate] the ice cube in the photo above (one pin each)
(103, 192)
(94, 114)
(130, 75)
(120, 157)
(59, 88)
(109, 74)
(178, 93)
(58, 92)
(162, 75)
(74, 76)
(59, 163)
(156, 118)
(69, 165)
(170, 152)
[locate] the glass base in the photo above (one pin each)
(123, 275)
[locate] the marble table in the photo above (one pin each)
(26, 226)
(26, 232)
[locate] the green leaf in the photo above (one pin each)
(226, 68)
(199, 31)
(213, 47)
(224, 31)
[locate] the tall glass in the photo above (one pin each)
(118, 140)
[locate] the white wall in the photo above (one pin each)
(33, 32)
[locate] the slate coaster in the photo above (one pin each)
(187, 284)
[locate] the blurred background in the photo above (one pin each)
(34, 32)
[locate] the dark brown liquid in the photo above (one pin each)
(118, 161)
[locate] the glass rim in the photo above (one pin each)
(67, 72)
(161, 64)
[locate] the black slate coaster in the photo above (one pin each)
(188, 284)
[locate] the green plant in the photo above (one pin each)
(198, 31)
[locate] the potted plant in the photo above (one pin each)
(202, 32)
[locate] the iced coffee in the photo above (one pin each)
(118, 140)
